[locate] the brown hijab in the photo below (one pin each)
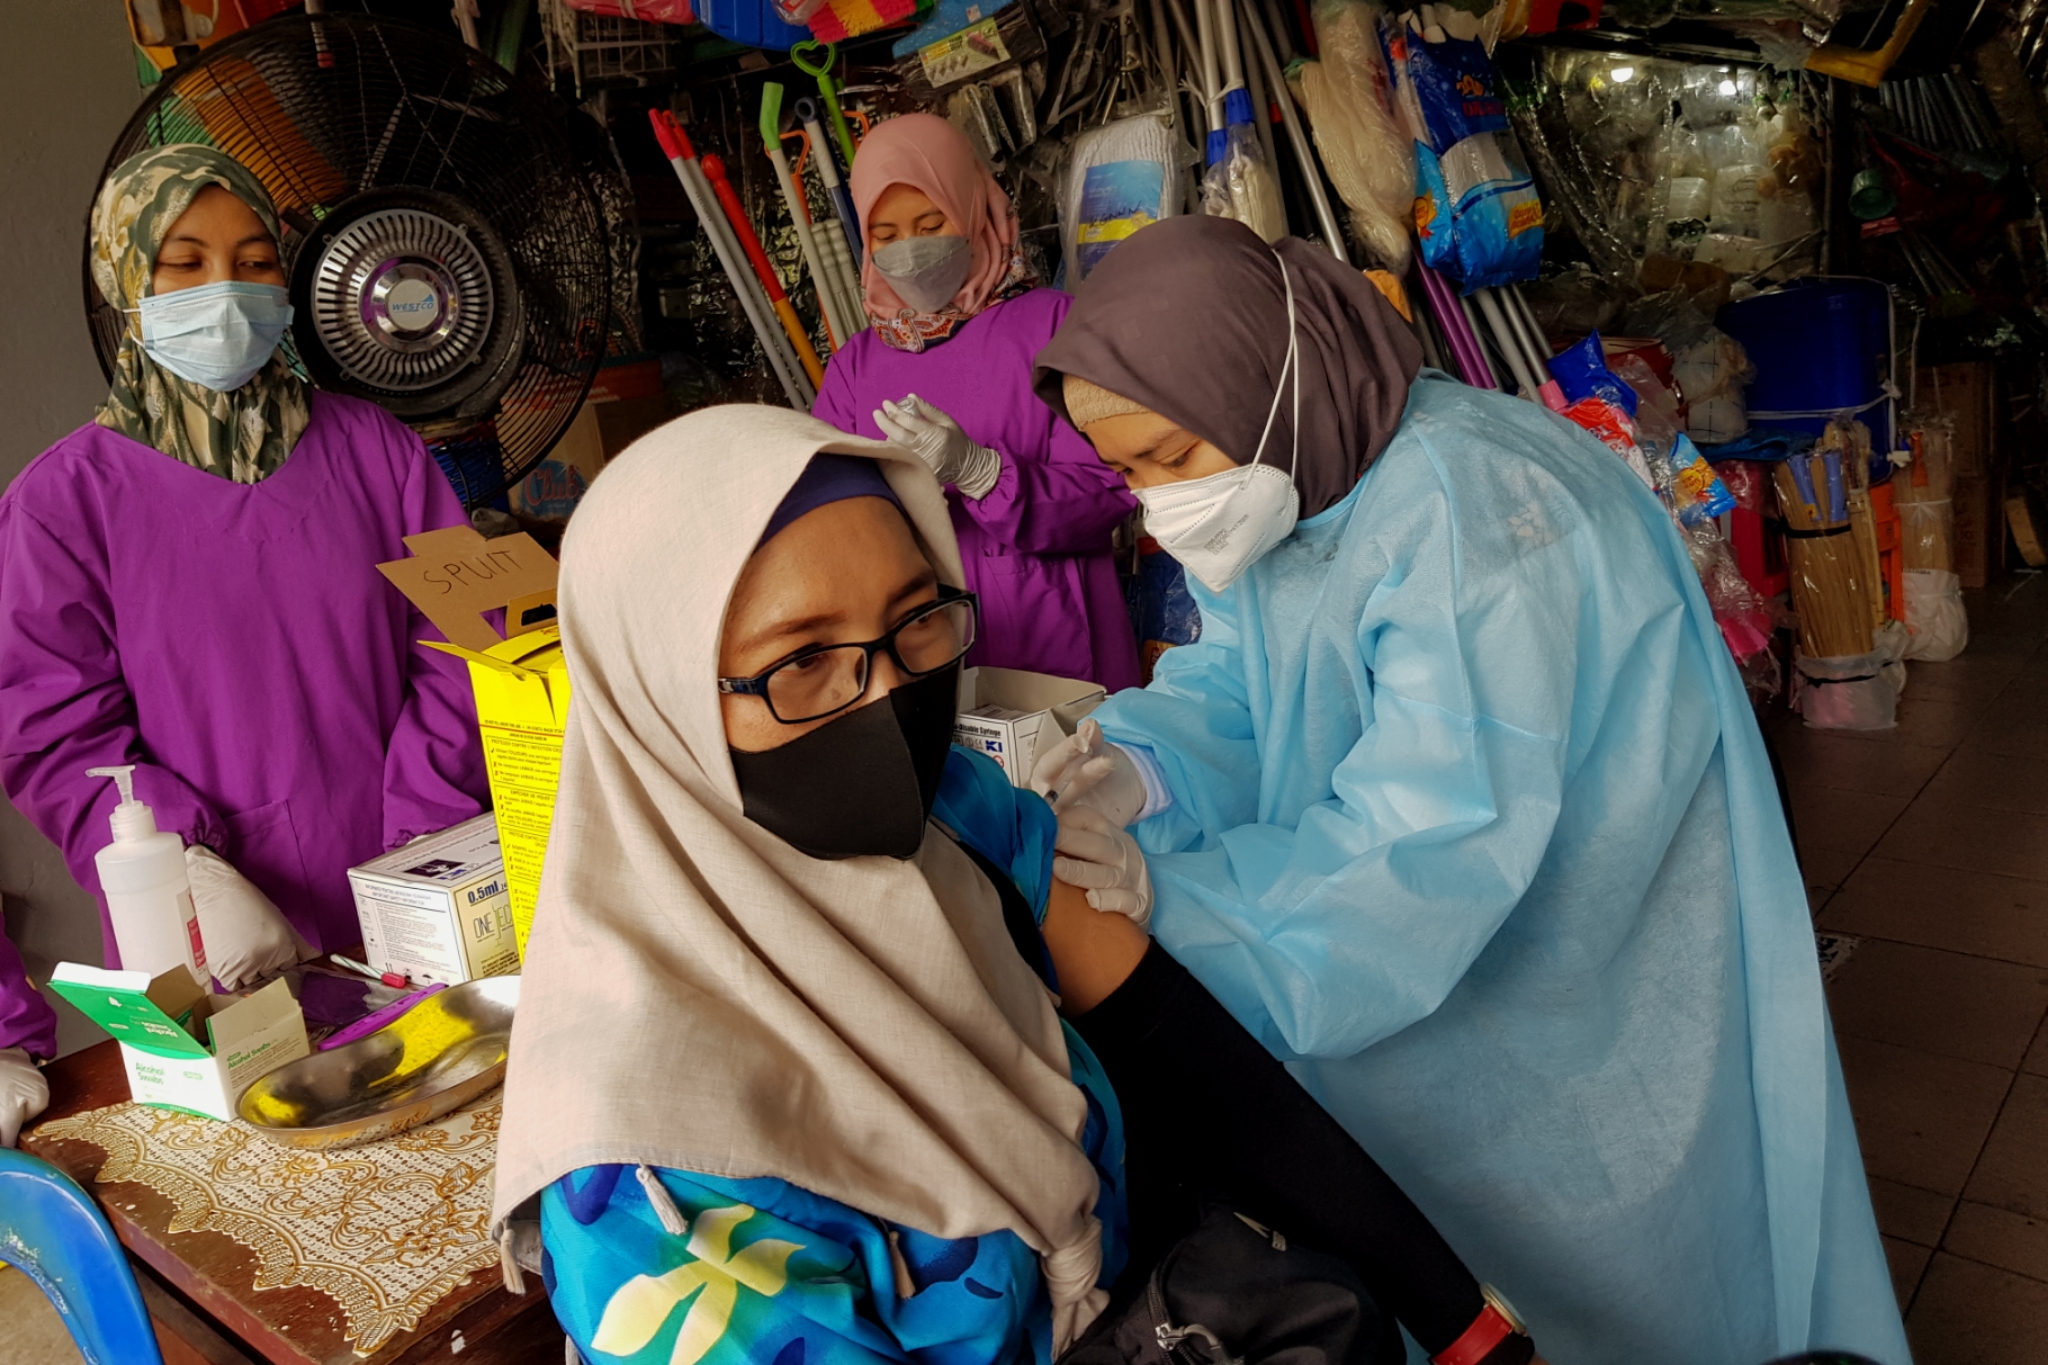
(1189, 318)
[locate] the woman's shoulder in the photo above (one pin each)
(1035, 312)
(66, 475)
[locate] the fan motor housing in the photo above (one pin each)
(407, 297)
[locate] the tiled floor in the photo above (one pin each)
(1927, 845)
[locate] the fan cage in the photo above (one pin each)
(323, 108)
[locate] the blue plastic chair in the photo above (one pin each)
(54, 1233)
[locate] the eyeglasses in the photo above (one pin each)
(826, 679)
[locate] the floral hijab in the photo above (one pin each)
(243, 436)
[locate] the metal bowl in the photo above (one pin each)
(439, 1055)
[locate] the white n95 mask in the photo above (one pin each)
(925, 272)
(216, 335)
(1218, 526)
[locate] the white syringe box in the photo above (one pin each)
(437, 909)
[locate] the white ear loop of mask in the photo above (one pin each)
(1290, 362)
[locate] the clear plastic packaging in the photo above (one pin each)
(1937, 624)
(1847, 692)
(1370, 157)
(1118, 178)
(1241, 186)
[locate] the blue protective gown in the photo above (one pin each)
(1472, 822)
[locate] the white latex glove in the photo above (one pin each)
(247, 938)
(1097, 855)
(1084, 769)
(23, 1093)
(939, 442)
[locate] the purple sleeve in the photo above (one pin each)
(1055, 498)
(433, 764)
(26, 1019)
(64, 703)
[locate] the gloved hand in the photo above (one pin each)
(247, 938)
(1097, 855)
(1084, 769)
(941, 444)
(23, 1093)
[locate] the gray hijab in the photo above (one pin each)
(1189, 318)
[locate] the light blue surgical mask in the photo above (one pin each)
(218, 335)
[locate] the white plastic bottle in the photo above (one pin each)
(148, 897)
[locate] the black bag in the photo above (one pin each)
(1235, 1293)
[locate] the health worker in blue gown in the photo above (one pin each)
(1458, 804)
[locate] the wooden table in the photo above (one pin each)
(200, 1286)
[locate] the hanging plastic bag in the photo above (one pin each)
(1477, 212)
(1348, 95)
(1120, 177)
(1241, 185)
(1847, 693)
(1936, 622)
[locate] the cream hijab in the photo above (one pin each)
(700, 995)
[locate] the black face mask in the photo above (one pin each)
(860, 784)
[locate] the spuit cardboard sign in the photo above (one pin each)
(520, 681)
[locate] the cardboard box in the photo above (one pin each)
(1965, 393)
(1979, 529)
(521, 682)
(1010, 715)
(184, 1048)
(522, 705)
(436, 910)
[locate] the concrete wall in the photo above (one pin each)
(67, 85)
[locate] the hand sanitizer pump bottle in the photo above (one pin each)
(148, 897)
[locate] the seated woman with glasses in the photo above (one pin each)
(790, 1083)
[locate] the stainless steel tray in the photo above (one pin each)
(435, 1058)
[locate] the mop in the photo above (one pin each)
(750, 243)
(799, 214)
(1239, 184)
(1370, 158)
(675, 144)
(828, 172)
(1297, 138)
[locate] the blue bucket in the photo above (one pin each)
(1820, 346)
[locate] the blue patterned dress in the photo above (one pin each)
(771, 1274)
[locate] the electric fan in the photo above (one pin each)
(446, 235)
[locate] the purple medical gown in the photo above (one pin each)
(238, 645)
(1036, 549)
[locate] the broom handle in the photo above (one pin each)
(1297, 137)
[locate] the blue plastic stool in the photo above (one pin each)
(53, 1232)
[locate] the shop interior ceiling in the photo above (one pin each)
(1044, 72)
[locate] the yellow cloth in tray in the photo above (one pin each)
(387, 1229)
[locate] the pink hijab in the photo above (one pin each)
(934, 158)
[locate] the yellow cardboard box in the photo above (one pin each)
(521, 683)
(522, 706)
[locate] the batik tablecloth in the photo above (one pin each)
(386, 1229)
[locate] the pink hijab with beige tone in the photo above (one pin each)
(934, 158)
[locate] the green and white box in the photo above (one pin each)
(184, 1048)
(438, 909)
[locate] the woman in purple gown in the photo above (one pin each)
(188, 584)
(946, 370)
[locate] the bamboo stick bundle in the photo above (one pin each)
(1831, 590)
(1921, 492)
(1850, 439)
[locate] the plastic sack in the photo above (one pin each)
(1937, 625)
(1697, 492)
(1477, 212)
(1582, 372)
(1241, 185)
(1348, 95)
(1847, 693)
(1120, 177)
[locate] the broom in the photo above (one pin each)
(1828, 587)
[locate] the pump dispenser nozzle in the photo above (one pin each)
(131, 820)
